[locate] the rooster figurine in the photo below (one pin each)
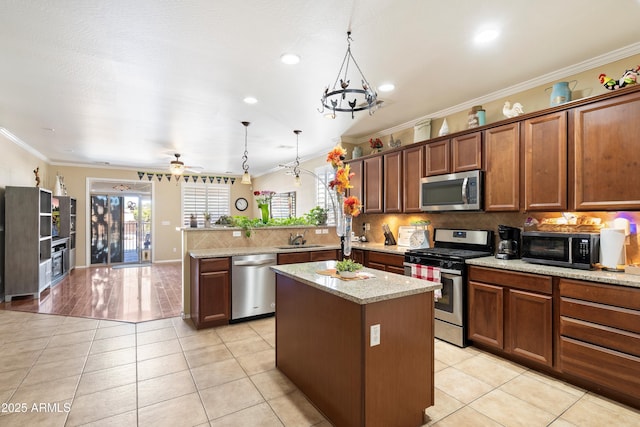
(629, 77)
(514, 111)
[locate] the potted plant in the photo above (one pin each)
(207, 219)
(318, 216)
(347, 268)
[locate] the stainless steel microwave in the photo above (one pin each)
(460, 191)
(573, 250)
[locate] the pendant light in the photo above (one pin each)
(246, 178)
(296, 169)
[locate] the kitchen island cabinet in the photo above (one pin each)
(385, 262)
(325, 344)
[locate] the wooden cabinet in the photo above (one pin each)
(545, 162)
(392, 182)
(307, 256)
(28, 233)
(357, 180)
(357, 255)
(210, 291)
(512, 312)
(502, 176)
(600, 337)
(372, 184)
(412, 172)
(605, 139)
(459, 154)
(385, 262)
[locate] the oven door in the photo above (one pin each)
(449, 307)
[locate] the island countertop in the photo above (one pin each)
(382, 286)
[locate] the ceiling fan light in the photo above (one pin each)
(297, 181)
(176, 167)
(246, 178)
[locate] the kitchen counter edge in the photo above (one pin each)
(225, 252)
(600, 276)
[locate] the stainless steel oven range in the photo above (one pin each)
(451, 249)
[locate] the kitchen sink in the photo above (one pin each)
(298, 246)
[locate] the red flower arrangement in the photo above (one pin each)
(336, 157)
(375, 143)
(263, 197)
(351, 206)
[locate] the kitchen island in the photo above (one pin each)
(361, 350)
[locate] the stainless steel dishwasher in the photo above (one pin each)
(253, 285)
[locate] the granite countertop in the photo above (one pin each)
(600, 276)
(382, 286)
(225, 252)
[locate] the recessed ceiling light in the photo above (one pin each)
(250, 100)
(386, 87)
(486, 36)
(289, 58)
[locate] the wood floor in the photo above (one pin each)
(131, 294)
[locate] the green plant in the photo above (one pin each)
(347, 265)
(317, 216)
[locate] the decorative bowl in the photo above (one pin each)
(348, 274)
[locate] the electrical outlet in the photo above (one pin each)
(367, 226)
(237, 234)
(318, 231)
(325, 231)
(375, 335)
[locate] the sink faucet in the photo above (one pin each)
(298, 239)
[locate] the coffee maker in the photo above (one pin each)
(509, 245)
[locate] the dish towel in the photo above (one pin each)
(426, 272)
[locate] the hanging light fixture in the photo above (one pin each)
(176, 167)
(296, 168)
(246, 178)
(338, 98)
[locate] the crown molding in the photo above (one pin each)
(20, 143)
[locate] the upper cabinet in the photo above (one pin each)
(372, 184)
(357, 180)
(502, 177)
(412, 172)
(545, 162)
(459, 154)
(393, 182)
(606, 154)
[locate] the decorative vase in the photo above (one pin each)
(264, 210)
(207, 223)
(444, 129)
(357, 152)
(193, 221)
(339, 214)
(348, 219)
(561, 93)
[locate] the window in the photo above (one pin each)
(283, 205)
(324, 195)
(200, 198)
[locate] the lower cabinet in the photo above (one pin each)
(210, 291)
(385, 262)
(296, 257)
(357, 255)
(600, 337)
(512, 312)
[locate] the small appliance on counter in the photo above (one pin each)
(509, 245)
(389, 240)
(561, 249)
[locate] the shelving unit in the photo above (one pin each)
(68, 227)
(27, 241)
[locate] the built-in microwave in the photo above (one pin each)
(573, 250)
(460, 191)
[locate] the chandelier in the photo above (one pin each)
(296, 167)
(176, 167)
(343, 99)
(246, 178)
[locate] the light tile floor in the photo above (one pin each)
(105, 373)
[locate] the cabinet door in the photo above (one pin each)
(357, 255)
(502, 178)
(293, 257)
(326, 255)
(545, 162)
(356, 181)
(393, 182)
(372, 184)
(466, 152)
(606, 136)
(438, 158)
(214, 296)
(529, 326)
(486, 314)
(412, 171)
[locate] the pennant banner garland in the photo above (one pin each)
(194, 178)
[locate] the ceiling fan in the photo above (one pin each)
(177, 167)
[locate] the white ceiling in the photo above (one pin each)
(128, 83)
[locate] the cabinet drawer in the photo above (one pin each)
(614, 370)
(293, 258)
(387, 259)
(214, 264)
(604, 336)
(616, 317)
(525, 281)
(619, 296)
(326, 255)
